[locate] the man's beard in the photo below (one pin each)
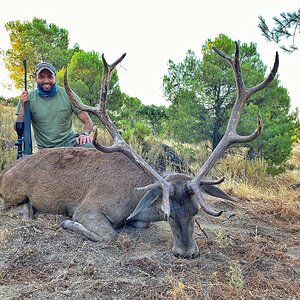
(47, 93)
(52, 86)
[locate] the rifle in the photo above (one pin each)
(27, 117)
(24, 127)
(19, 143)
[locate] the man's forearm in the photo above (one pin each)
(86, 120)
(88, 126)
(20, 116)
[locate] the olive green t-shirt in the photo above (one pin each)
(51, 119)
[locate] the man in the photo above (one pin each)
(51, 112)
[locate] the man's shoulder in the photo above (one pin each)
(63, 95)
(61, 90)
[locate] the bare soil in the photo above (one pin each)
(243, 255)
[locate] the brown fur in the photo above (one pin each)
(98, 190)
(59, 180)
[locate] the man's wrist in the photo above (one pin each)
(85, 133)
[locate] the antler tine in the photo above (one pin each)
(269, 79)
(102, 114)
(231, 136)
(119, 144)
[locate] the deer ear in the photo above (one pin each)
(145, 202)
(216, 192)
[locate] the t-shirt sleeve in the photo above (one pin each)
(74, 108)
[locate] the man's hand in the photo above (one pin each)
(24, 97)
(83, 139)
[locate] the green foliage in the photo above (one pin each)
(184, 122)
(35, 41)
(202, 94)
(11, 101)
(296, 133)
(128, 121)
(154, 115)
(85, 72)
(286, 26)
(84, 75)
(136, 120)
(181, 76)
(275, 143)
(219, 84)
(139, 131)
(183, 88)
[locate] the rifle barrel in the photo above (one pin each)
(27, 118)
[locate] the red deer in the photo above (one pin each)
(103, 190)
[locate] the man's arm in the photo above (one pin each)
(20, 109)
(20, 115)
(87, 128)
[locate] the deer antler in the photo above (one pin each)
(119, 144)
(230, 137)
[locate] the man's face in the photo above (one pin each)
(46, 80)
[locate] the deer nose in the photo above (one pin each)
(189, 253)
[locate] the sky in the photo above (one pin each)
(153, 32)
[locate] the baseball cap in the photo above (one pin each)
(44, 66)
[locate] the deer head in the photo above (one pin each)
(182, 196)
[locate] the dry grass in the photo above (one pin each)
(277, 197)
(295, 159)
(243, 257)
(8, 136)
(250, 252)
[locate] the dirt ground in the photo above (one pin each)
(242, 256)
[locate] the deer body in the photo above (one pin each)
(62, 180)
(97, 189)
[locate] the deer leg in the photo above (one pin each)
(139, 224)
(24, 209)
(27, 211)
(92, 224)
(79, 229)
